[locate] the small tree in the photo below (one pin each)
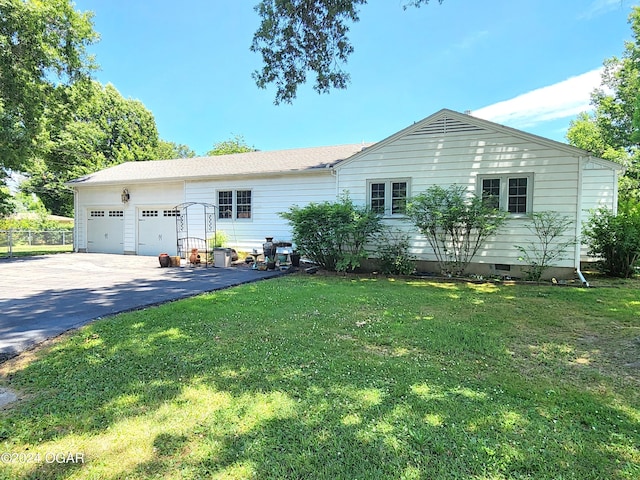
(615, 238)
(454, 223)
(539, 255)
(333, 234)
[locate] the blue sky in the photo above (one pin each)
(528, 64)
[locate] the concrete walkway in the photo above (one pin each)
(44, 296)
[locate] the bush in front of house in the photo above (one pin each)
(550, 245)
(393, 253)
(333, 234)
(615, 239)
(455, 224)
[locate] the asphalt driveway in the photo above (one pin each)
(44, 296)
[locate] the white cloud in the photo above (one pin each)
(561, 100)
(600, 7)
(471, 40)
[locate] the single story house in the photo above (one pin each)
(132, 208)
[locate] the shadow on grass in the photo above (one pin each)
(332, 379)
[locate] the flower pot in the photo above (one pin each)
(164, 259)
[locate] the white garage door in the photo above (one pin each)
(157, 231)
(105, 230)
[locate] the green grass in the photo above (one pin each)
(340, 377)
(28, 250)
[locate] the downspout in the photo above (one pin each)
(76, 211)
(334, 174)
(578, 246)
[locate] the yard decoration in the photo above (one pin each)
(164, 259)
(194, 258)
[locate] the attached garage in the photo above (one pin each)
(105, 230)
(249, 190)
(157, 231)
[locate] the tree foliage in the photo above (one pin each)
(42, 53)
(612, 130)
(454, 223)
(548, 228)
(333, 235)
(170, 150)
(94, 128)
(615, 239)
(237, 144)
(42, 48)
(301, 37)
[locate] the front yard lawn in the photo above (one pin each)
(339, 377)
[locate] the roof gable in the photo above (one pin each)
(443, 125)
(448, 121)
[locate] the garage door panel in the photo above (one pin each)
(157, 231)
(105, 231)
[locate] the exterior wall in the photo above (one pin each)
(599, 189)
(269, 197)
(443, 159)
(141, 196)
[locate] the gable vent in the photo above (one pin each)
(446, 125)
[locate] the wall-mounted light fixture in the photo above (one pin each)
(125, 195)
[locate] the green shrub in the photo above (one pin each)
(615, 239)
(454, 223)
(219, 240)
(333, 235)
(548, 227)
(393, 254)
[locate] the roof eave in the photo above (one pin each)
(200, 178)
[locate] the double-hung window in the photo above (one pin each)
(388, 197)
(234, 204)
(512, 193)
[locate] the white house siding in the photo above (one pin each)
(458, 158)
(269, 196)
(599, 189)
(142, 196)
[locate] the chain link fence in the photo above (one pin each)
(24, 242)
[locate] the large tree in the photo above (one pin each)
(298, 37)
(93, 129)
(171, 150)
(42, 46)
(237, 144)
(42, 51)
(612, 129)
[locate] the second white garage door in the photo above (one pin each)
(157, 231)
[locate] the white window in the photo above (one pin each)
(234, 204)
(388, 197)
(512, 193)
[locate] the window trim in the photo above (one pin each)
(388, 194)
(503, 200)
(234, 204)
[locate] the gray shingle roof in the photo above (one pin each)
(238, 164)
